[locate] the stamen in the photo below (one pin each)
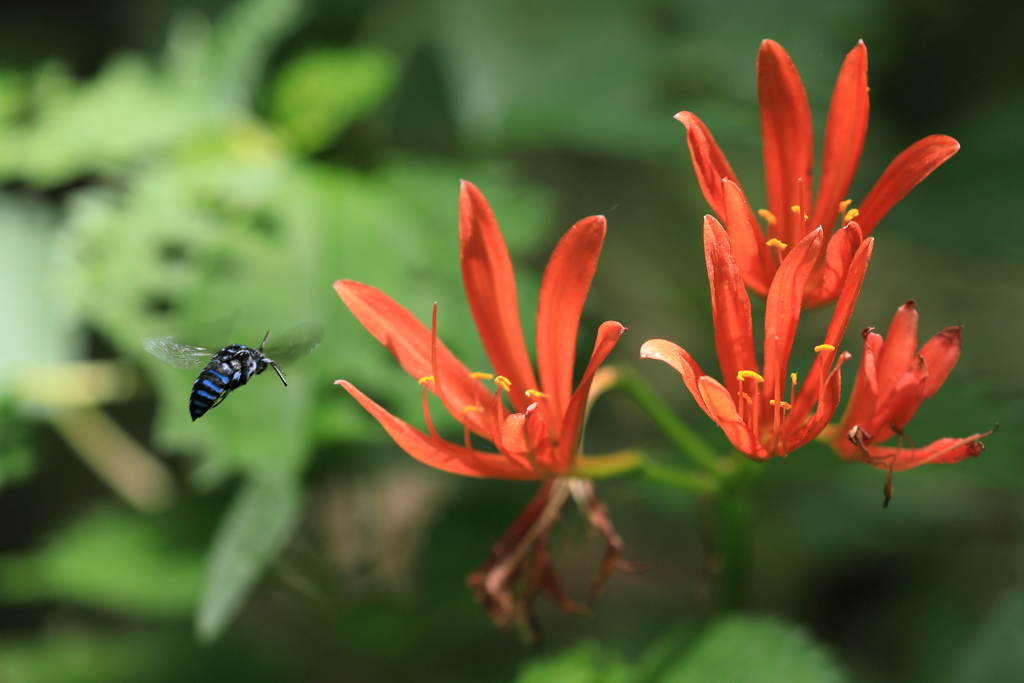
(534, 393)
(426, 406)
(845, 204)
(785, 405)
(777, 243)
(850, 215)
(472, 409)
(503, 382)
(423, 380)
(481, 375)
(824, 347)
(749, 374)
(795, 208)
(768, 216)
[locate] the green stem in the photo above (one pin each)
(734, 514)
(680, 479)
(680, 433)
(626, 462)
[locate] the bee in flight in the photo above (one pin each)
(232, 366)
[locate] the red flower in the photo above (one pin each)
(540, 438)
(894, 379)
(758, 420)
(788, 150)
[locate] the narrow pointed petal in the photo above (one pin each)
(827, 404)
(895, 411)
(851, 287)
(861, 405)
(844, 136)
(730, 306)
(782, 312)
(683, 362)
(940, 354)
(708, 161)
(748, 240)
(563, 290)
(722, 409)
(572, 421)
(409, 342)
(491, 290)
(787, 137)
(899, 349)
(539, 436)
(436, 452)
(827, 282)
(913, 165)
(946, 451)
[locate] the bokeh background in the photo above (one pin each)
(207, 169)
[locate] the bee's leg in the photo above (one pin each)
(277, 369)
(220, 399)
(265, 343)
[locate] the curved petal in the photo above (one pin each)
(945, 451)
(436, 452)
(787, 139)
(678, 358)
(782, 311)
(491, 290)
(708, 161)
(899, 350)
(572, 422)
(827, 404)
(752, 254)
(722, 409)
(563, 290)
(844, 136)
(409, 342)
(539, 436)
(730, 306)
(913, 165)
(940, 353)
(827, 281)
(906, 397)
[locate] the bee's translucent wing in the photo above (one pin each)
(177, 354)
(295, 343)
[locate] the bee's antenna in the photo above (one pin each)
(264, 344)
(276, 369)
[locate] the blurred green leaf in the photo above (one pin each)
(584, 663)
(17, 457)
(996, 654)
(112, 560)
(78, 656)
(749, 650)
(258, 524)
(318, 94)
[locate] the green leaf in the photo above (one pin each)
(112, 560)
(995, 654)
(584, 663)
(252, 533)
(755, 650)
(65, 655)
(318, 94)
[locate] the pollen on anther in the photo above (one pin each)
(503, 382)
(850, 215)
(423, 380)
(792, 376)
(534, 393)
(824, 347)
(745, 374)
(471, 409)
(843, 205)
(775, 242)
(481, 375)
(768, 216)
(795, 208)
(784, 404)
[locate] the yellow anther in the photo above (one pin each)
(534, 393)
(745, 374)
(503, 382)
(792, 376)
(844, 205)
(784, 404)
(481, 375)
(850, 215)
(471, 409)
(774, 242)
(824, 347)
(795, 208)
(768, 216)
(423, 380)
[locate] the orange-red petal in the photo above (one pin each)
(438, 453)
(786, 137)
(721, 407)
(945, 451)
(708, 161)
(491, 290)
(563, 290)
(683, 362)
(898, 351)
(940, 353)
(844, 136)
(753, 256)
(913, 165)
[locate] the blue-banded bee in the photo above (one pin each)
(233, 365)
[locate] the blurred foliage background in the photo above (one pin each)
(209, 168)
